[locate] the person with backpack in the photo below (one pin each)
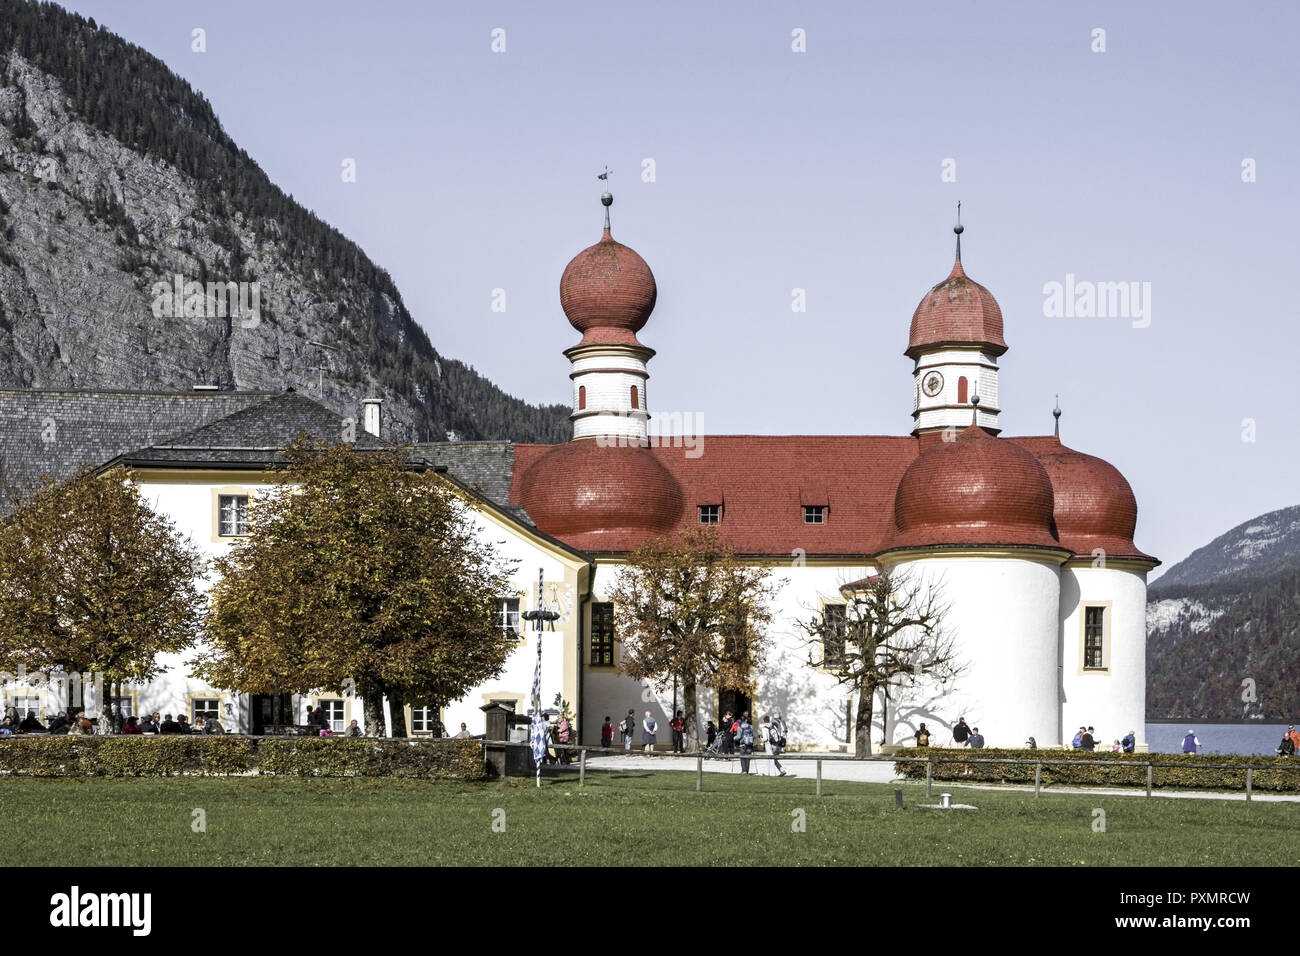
(744, 737)
(923, 736)
(1077, 742)
(629, 730)
(774, 732)
(961, 733)
(1088, 742)
(1129, 743)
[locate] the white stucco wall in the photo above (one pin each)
(1112, 700)
(1004, 613)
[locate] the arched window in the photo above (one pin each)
(582, 397)
(961, 390)
(635, 401)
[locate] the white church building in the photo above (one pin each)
(1029, 542)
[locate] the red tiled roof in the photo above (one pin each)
(585, 490)
(608, 286)
(957, 310)
(763, 481)
(1094, 505)
(974, 490)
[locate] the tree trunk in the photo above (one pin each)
(372, 704)
(862, 726)
(692, 727)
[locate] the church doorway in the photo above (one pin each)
(734, 701)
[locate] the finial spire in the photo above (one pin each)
(606, 198)
(959, 229)
(974, 409)
(1056, 413)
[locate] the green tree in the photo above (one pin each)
(94, 581)
(360, 573)
(687, 610)
(892, 625)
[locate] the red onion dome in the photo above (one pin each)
(608, 286)
(975, 490)
(957, 311)
(1094, 504)
(583, 487)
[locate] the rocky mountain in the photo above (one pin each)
(1223, 626)
(141, 248)
(1256, 548)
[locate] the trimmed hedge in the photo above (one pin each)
(221, 755)
(364, 757)
(1176, 771)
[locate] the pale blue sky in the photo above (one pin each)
(819, 170)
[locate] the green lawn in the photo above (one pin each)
(619, 818)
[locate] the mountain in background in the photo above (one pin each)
(1223, 626)
(116, 178)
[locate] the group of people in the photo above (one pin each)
(79, 723)
(737, 733)
(1086, 739)
(963, 735)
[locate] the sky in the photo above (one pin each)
(762, 147)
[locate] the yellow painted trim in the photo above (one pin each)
(217, 494)
(408, 714)
(1136, 565)
(347, 708)
(508, 695)
(1041, 555)
(1106, 623)
(222, 698)
(201, 476)
(41, 694)
(822, 604)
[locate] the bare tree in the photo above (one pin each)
(890, 624)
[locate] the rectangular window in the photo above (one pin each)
(834, 627)
(710, 514)
(814, 514)
(505, 617)
(602, 635)
(333, 710)
(424, 720)
(125, 707)
(1094, 638)
(205, 707)
(232, 515)
(27, 704)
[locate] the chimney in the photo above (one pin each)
(370, 417)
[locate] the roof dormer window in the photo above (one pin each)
(710, 514)
(814, 514)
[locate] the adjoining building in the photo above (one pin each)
(1030, 542)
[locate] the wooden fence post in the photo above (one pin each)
(1038, 777)
(1148, 778)
(928, 767)
(819, 777)
(582, 767)
(1250, 773)
(699, 773)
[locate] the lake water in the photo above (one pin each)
(1257, 737)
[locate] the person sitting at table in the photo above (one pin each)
(169, 726)
(131, 726)
(60, 724)
(183, 725)
(30, 724)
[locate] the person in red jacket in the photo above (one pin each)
(131, 726)
(679, 741)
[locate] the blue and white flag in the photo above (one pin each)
(541, 728)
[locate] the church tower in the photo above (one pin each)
(608, 293)
(955, 341)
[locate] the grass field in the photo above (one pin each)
(619, 818)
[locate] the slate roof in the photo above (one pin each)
(56, 432)
(251, 437)
(484, 466)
